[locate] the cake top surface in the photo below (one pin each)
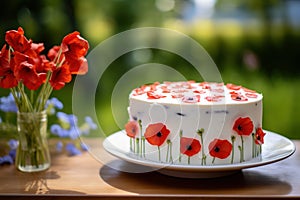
(191, 92)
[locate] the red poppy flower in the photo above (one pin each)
(53, 54)
(220, 148)
(17, 40)
(138, 91)
(248, 90)
(132, 129)
(205, 85)
(215, 98)
(153, 86)
(259, 136)
(199, 91)
(238, 97)
(156, 134)
(60, 76)
(189, 146)
(153, 95)
(243, 126)
(251, 95)
(74, 45)
(75, 48)
(176, 96)
(7, 77)
(165, 89)
(231, 86)
(25, 71)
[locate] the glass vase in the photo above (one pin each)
(33, 151)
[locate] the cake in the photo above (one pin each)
(190, 123)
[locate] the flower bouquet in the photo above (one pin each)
(32, 76)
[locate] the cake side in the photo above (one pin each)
(204, 124)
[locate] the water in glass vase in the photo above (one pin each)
(33, 151)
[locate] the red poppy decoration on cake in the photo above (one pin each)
(156, 134)
(243, 126)
(153, 95)
(189, 146)
(251, 95)
(220, 148)
(238, 96)
(132, 129)
(231, 86)
(259, 136)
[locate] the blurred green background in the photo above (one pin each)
(253, 42)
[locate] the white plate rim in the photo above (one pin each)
(124, 155)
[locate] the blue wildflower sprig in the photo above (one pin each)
(65, 127)
(10, 157)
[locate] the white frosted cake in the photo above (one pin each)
(195, 123)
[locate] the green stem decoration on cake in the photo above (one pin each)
(137, 140)
(180, 136)
(254, 149)
(213, 160)
(130, 143)
(241, 148)
(159, 153)
(143, 146)
(260, 150)
(200, 133)
(171, 157)
(169, 152)
(232, 154)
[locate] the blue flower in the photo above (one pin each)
(13, 144)
(6, 160)
(84, 146)
(91, 123)
(59, 131)
(70, 119)
(12, 153)
(88, 126)
(59, 146)
(72, 150)
(7, 104)
(53, 104)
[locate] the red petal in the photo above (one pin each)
(220, 148)
(189, 146)
(156, 134)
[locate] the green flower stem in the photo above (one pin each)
(213, 160)
(137, 140)
(171, 158)
(242, 149)
(130, 144)
(144, 148)
(159, 153)
(169, 151)
(232, 153)
(241, 154)
(200, 133)
(180, 136)
(189, 159)
(253, 146)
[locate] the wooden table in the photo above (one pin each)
(83, 177)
